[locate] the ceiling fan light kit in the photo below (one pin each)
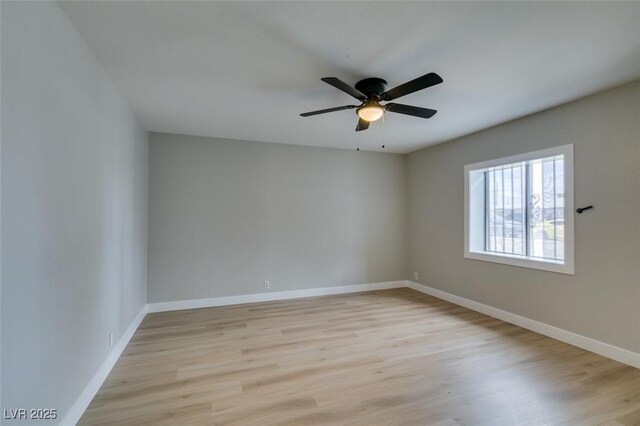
(370, 111)
(371, 91)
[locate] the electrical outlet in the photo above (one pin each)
(110, 339)
(415, 275)
(267, 284)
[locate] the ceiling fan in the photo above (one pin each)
(372, 91)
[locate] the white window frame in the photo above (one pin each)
(474, 213)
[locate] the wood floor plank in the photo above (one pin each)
(394, 357)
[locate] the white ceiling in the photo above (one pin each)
(245, 70)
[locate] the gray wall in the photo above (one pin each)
(0, 213)
(602, 300)
(74, 184)
(226, 215)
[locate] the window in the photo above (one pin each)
(519, 210)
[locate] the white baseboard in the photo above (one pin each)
(77, 410)
(266, 297)
(609, 351)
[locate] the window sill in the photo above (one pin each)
(523, 262)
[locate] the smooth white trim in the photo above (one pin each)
(265, 297)
(475, 251)
(525, 156)
(521, 261)
(78, 408)
(609, 351)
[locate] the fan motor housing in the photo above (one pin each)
(372, 87)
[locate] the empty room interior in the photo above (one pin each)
(320, 213)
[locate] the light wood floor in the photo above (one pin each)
(386, 357)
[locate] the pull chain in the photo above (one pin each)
(383, 125)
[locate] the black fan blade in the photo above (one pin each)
(362, 125)
(410, 110)
(341, 85)
(419, 83)
(324, 111)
